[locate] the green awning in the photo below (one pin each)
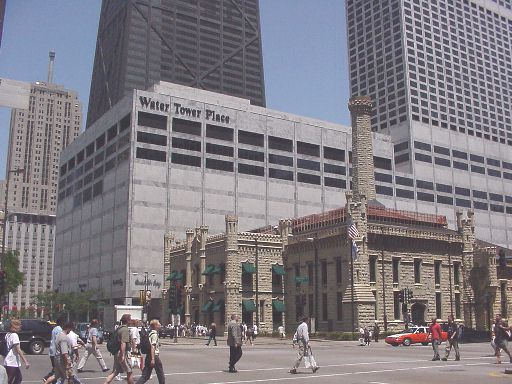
(217, 269)
(218, 306)
(248, 268)
(175, 275)
(278, 305)
(209, 269)
(207, 307)
(278, 269)
(248, 305)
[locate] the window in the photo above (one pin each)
(422, 157)
(190, 145)
(251, 169)
(382, 163)
(251, 138)
(404, 193)
(335, 183)
(459, 165)
(280, 144)
(383, 177)
(151, 154)
(443, 162)
(280, 160)
(459, 154)
(331, 168)
(151, 138)
(457, 306)
(444, 188)
(89, 150)
(383, 190)
(404, 181)
(438, 305)
(373, 269)
(396, 305)
(251, 155)
(186, 126)
(417, 271)
(334, 154)
(441, 150)
(463, 203)
(323, 266)
(100, 141)
(222, 150)
(504, 306)
(308, 178)
(422, 146)
(280, 174)
(338, 270)
(339, 306)
(462, 191)
(125, 122)
(308, 149)
(396, 267)
(178, 158)
(152, 120)
(112, 132)
(425, 184)
(437, 273)
(308, 164)
(218, 132)
(324, 307)
(456, 273)
(220, 165)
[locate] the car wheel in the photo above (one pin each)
(407, 342)
(36, 347)
(424, 343)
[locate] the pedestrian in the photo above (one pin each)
(235, 343)
(135, 356)
(254, 332)
(435, 333)
(301, 338)
(91, 348)
(63, 365)
(51, 351)
(122, 358)
(153, 357)
(366, 336)
(453, 339)
(376, 331)
(501, 339)
(12, 361)
(74, 343)
(213, 334)
(280, 330)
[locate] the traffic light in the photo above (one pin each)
(410, 294)
(401, 296)
(2, 282)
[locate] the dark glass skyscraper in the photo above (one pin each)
(207, 44)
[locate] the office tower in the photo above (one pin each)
(37, 137)
(2, 14)
(440, 75)
(208, 44)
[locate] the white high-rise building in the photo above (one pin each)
(440, 73)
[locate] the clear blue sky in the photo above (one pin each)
(304, 53)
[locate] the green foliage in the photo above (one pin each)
(74, 305)
(13, 276)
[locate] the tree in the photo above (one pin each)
(73, 305)
(13, 276)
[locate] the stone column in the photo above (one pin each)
(203, 233)
(285, 229)
(233, 280)
(188, 277)
(363, 177)
(466, 228)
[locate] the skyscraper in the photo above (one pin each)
(442, 64)
(208, 44)
(2, 14)
(37, 137)
(440, 74)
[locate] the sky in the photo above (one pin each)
(304, 53)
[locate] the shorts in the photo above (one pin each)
(123, 367)
(503, 344)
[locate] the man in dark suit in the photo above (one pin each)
(235, 343)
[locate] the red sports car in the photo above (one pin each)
(415, 334)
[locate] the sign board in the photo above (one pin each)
(302, 279)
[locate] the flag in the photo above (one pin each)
(352, 230)
(355, 250)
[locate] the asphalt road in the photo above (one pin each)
(269, 360)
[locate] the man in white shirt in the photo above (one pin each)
(301, 337)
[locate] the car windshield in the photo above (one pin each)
(410, 330)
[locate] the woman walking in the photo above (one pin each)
(92, 348)
(213, 334)
(12, 362)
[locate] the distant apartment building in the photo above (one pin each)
(37, 137)
(213, 45)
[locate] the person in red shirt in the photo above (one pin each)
(435, 333)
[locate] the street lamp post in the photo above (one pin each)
(147, 294)
(6, 199)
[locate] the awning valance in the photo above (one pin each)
(278, 269)
(207, 307)
(248, 305)
(248, 268)
(209, 269)
(278, 305)
(217, 269)
(218, 306)
(175, 275)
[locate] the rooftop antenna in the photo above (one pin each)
(50, 66)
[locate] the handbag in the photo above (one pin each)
(309, 360)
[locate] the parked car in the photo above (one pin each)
(82, 331)
(413, 335)
(166, 332)
(35, 334)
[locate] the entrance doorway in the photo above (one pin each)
(418, 313)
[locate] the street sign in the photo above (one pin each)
(301, 279)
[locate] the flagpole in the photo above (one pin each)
(352, 281)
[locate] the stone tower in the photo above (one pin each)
(363, 177)
(232, 281)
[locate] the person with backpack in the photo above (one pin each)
(51, 351)
(150, 345)
(119, 346)
(13, 354)
(91, 348)
(453, 339)
(213, 334)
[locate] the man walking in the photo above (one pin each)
(153, 357)
(51, 351)
(453, 339)
(235, 343)
(122, 358)
(501, 339)
(301, 337)
(376, 331)
(91, 348)
(63, 363)
(435, 333)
